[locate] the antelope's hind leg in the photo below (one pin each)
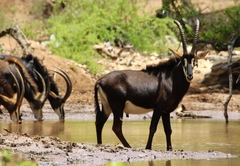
(101, 118)
(117, 125)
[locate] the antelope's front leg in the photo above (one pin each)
(153, 128)
(167, 130)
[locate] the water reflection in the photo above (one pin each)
(190, 162)
(194, 135)
(151, 163)
(188, 135)
(168, 163)
(36, 128)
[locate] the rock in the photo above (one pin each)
(219, 72)
(182, 112)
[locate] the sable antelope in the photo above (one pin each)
(33, 65)
(157, 88)
(9, 86)
(33, 95)
(35, 98)
(56, 101)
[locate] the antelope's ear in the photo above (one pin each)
(202, 54)
(178, 54)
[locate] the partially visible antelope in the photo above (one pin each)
(35, 97)
(47, 87)
(8, 98)
(56, 101)
(157, 88)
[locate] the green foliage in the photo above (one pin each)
(217, 27)
(26, 163)
(115, 164)
(82, 24)
(34, 30)
(7, 158)
(221, 30)
(38, 8)
(5, 22)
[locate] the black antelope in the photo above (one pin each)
(47, 87)
(157, 88)
(12, 80)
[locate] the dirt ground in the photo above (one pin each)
(53, 151)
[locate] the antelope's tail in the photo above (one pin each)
(96, 102)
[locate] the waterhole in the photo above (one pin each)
(188, 135)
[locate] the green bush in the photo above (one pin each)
(82, 24)
(9, 158)
(5, 22)
(35, 30)
(223, 28)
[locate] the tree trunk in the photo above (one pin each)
(230, 49)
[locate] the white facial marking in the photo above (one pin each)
(185, 62)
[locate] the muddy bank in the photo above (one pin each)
(53, 151)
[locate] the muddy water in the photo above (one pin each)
(188, 135)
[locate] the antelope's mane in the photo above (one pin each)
(165, 64)
(24, 71)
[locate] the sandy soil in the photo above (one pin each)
(53, 151)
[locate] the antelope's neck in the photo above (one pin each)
(179, 78)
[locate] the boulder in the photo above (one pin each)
(218, 76)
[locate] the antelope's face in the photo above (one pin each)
(188, 63)
(187, 59)
(37, 110)
(57, 104)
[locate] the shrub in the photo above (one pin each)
(9, 158)
(220, 31)
(82, 24)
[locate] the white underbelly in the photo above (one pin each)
(130, 108)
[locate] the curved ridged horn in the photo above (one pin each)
(15, 111)
(43, 96)
(69, 85)
(12, 100)
(24, 71)
(68, 82)
(20, 94)
(20, 91)
(184, 43)
(195, 38)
